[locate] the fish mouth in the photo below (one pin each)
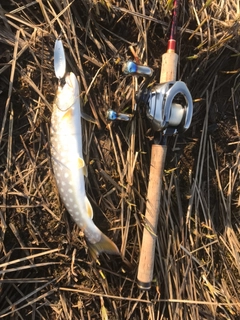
(71, 80)
(68, 80)
(68, 92)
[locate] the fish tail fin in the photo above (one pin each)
(103, 245)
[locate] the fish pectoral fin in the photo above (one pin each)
(67, 115)
(89, 208)
(104, 245)
(88, 117)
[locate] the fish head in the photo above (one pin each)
(72, 82)
(68, 94)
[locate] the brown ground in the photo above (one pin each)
(45, 272)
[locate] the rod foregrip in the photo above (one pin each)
(147, 253)
(169, 67)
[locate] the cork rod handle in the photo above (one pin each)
(169, 67)
(146, 263)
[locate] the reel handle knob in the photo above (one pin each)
(113, 115)
(134, 69)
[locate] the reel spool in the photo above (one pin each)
(170, 106)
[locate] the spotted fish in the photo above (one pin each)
(69, 166)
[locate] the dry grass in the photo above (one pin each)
(44, 269)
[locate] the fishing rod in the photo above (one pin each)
(169, 107)
(170, 115)
(170, 58)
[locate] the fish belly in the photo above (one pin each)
(70, 181)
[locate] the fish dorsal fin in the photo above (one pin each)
(89, 208)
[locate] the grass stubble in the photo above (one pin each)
(44, 269)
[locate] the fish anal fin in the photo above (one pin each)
(89, 208)
(104, 245)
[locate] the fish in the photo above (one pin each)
(69, 166)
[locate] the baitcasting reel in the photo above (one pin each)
(168, 105)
